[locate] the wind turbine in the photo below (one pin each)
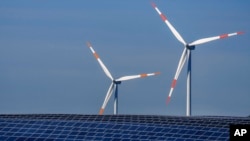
(186, 55)
(115, 82)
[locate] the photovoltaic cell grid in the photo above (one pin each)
(58, 127)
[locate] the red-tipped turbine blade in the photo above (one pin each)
(106, 71)
(168, 100)
(173, 30)
(178, 71)
(107, 97)
(124, 78)
(209, 39)
(101, 111)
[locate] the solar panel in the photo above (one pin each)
(58, 127)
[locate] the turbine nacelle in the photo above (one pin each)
(117, 82)
(190, 47)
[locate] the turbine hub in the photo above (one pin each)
(190, 47)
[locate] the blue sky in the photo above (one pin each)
(46, 67)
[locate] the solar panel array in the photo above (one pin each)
(58, 127)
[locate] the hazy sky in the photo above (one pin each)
(46, 66)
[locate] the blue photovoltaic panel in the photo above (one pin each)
(58, 127)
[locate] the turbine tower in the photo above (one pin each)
(115, 82)
(186, 55)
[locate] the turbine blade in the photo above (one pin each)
(136, 76)
(209, 39)
(108, 95)
(173, 30)
(178, 71)
(106, 71)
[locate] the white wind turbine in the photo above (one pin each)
(186, 55)
(115, 82)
